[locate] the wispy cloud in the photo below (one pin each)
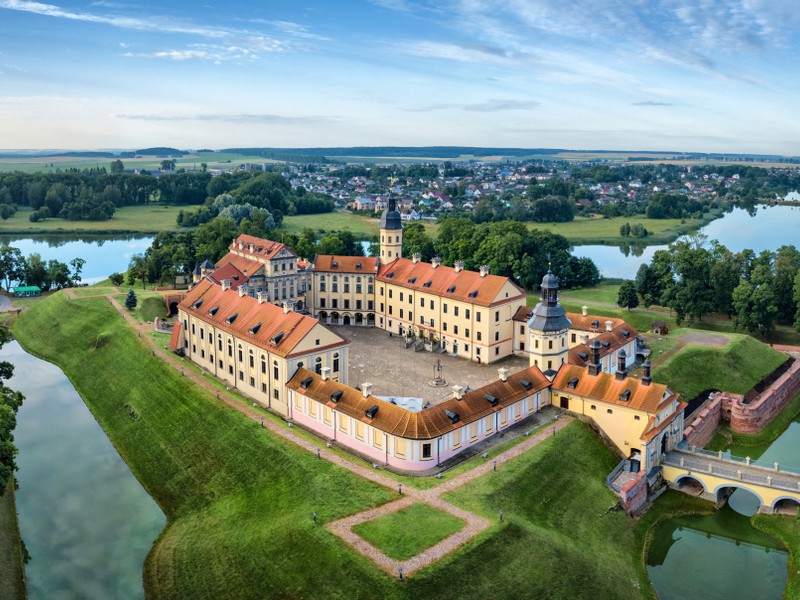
(651, 103)
(266, 119)
(284, 35)
(492, 105)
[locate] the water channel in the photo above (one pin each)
(87, 522)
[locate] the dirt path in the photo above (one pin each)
(343, 527)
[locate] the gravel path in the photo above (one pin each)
(343, 527)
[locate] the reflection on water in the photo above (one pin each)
(767, 228)
(86, 521)
(103, 254)
(717, 556)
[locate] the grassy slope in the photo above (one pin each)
(408, 532)
(11, 568)
(147, 219)
(601, 293)
(736, 367)
(238, 500)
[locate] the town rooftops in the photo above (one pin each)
(430, 422)
(595, 323)
(247, 266)
(231, 273)
(463, 285)
(324, 263)
(260, 323)
(604, 387)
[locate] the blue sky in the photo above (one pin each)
(705, 75)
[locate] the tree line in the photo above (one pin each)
(695, 278)
(16, 269)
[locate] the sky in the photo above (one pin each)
(672, 75)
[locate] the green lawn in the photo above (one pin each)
(94, 290)
(601, 293)
(11, 567)
(337, 221)
(736, 367)
(238, 500)
(142, 219)
(408, 532)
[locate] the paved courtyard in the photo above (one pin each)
(396, 371)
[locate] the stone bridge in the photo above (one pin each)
(713, 476)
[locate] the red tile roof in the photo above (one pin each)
(324, 263)
(463, 284)
(175, 337)
(605, 387)
(272, 319)
(247, 266)
(615, 339)
(430, 422)
(581, 322)
(229, 272)
(262, 248)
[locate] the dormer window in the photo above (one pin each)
(306, 382)
(427, 284)
(254, 329)
(277, 338)
(213, 311)
(492, 400)
(526, 384)
(371, 412)
(198, 304)
(573, 383)
(451, 289)
(473, 294)
(232, 318)
(625, 396)
(336, 396)
(453, 416)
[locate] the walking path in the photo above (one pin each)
(410, 495)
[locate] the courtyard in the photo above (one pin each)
(394, 370)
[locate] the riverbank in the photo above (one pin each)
(12, 567)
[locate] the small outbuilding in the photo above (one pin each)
(27, 291)
(659, 327)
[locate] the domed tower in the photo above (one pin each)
(548, 328)
(391, 232)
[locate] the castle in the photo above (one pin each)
(241, 323)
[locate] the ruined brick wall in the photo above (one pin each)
(705, 421)
(633, 494)
(752, 417)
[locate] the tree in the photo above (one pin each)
(625, 230)
(139, 268)
(416, 240)
(7, 211)
(754, 302)
(36, 272)
(168, 164)
(12, 265)
(10, 401)
(77, 269)
(627, 296)
(116, 278)
(117, 166)
(130, 300)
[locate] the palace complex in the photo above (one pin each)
(258, 320)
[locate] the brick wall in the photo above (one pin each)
(702, 427)
(752, 417)
(633, 494)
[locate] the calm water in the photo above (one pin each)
(86, 520)
(722, 554)
(103, 255)
(770, 228)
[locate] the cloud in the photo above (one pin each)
(285, 36)
(245, 118)
(492, 105)
(651, 103)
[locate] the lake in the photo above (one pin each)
(103, 254)
(768, 229)
(86, 521)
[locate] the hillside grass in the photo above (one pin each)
(408, 532)
(151, 218)
(601, 293)
(12, 570)
(238, 500)
(736, 367)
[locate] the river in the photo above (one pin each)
(769, 228)
(87, 522)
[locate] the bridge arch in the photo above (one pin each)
(690, 484)
(734, 486)
(787, 503)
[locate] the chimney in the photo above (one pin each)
(242, 291)
(436, 261)
(459, 266)
(262, 297)
(416, 257)
(484, 270)
(226, 284)
(585, 311)
(458, 392)
(502, 372)
(288, 306)
(646, 379)
(609, 325)
(366, 389)
(326, 373)
(241, 245)
(621, 356)
(594, 366)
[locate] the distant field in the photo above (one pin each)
(214, 160)
(146, 219)
(598, 227)
(337, 221)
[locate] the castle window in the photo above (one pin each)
(479, 336)
(573, 338)
(635, 417)
(426, 450)
(549, 344)
(478, 317)
(496, 336)
(455, 311)
(609, 411)
(466, 313)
